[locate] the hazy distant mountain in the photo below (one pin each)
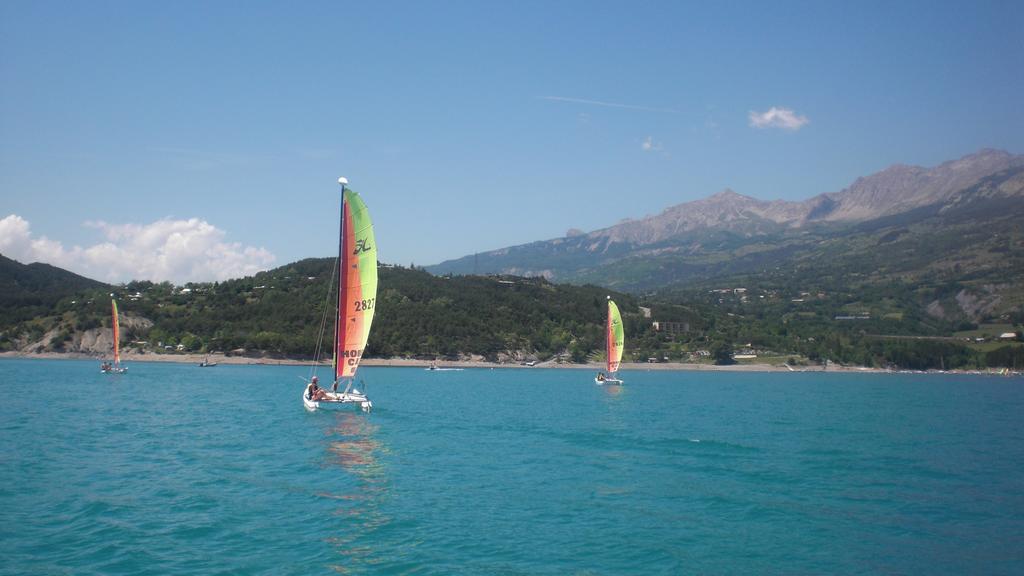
(731, 233)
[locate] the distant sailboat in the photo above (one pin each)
(116, 367)
(356, 275)
(615, 343)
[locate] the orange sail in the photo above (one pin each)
(357, 285)
(117, 335)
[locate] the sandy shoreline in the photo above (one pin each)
(412, 363)
(422, 364)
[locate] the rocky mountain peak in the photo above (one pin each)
(900, 187)
(685, 227)
(727, 194)
(896, 189)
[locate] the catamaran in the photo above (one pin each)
(615, 343)
(356, 276)
(116, 367)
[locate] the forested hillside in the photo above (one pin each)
(280, 312)
(806, 314)
(27, 291)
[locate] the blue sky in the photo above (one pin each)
(201, 140)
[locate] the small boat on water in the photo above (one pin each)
(435, 368)
(206, 363)
(356, 280)
(615, 340)
(115, 366)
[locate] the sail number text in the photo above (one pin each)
(362, 305)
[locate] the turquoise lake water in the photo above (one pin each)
(175, 469)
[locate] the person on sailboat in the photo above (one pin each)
(600, 377)
(313, 391)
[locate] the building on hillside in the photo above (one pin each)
(671, 327)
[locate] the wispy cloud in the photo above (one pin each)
(777, 118)
(608, 104)
(649, 145)
(175, 250)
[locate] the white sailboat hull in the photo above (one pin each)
(614, 381)
(336, 400)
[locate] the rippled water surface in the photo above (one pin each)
(179, 469)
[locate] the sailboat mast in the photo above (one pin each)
(338, 367)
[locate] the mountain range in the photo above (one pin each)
(897, 269)
(905, 220)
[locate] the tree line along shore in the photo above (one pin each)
(507, 320)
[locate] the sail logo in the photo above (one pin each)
(352, 356)
(361, 247)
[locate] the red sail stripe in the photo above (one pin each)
(350, 320)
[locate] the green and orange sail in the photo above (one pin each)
(357, 284)
(117, 333)
(616, 337)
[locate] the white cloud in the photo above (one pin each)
(14, 234)
(777, 118)
(175, 250)
(649, 145)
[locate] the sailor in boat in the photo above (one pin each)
(601, 377)
(314, 392)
